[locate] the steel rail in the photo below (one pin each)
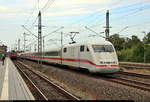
(124, 81)
(24, 74)
(63, 91)
(129, 82)
(134, 75)
(138, 66)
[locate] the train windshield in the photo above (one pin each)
(103, 48)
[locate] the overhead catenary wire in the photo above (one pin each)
(33, 24)
(30, 16)
(131, 13)
(90, 16)
(135, 12)
(32, 42)
(85, 18)
(50, 4)
(47, 5)
(140, 24)
(129, 6)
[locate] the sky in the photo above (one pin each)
(131, 15)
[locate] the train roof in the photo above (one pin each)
(53, 49)
(101, 42)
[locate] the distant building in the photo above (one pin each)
(3, 49)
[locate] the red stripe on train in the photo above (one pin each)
(74, 60)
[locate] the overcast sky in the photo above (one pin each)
(74, 15)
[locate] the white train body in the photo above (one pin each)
(96, 56)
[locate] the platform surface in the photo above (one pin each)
(12, 86)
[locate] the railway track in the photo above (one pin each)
(134, 75)
(133, 83)
(125, 81)
(134, 65)
(128, 82)
(43, 87)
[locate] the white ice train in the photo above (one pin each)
(95, 56)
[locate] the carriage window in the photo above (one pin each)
(81, 48)
(65, 50)
(103, 48)
(52, 53)
(87, 49)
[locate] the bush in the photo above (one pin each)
(148, 54)
(134, 54)
(137, 53)
(124, 55)
(0, 55)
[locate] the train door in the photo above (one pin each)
(85, 56)
(81, 55)
(75, 56)
(78, 51)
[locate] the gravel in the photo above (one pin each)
(88, 87)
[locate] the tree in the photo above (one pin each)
(148, 54)
(117, 41)
(134, 54)
(133, 41)
(137, 53)
(146, 39)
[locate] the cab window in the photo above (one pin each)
(102, 48)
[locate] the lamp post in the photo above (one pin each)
(144, 47)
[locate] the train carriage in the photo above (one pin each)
(13, 54)
(95, 56)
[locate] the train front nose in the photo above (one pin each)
(106, 59)
(106, 69)
(110, 69)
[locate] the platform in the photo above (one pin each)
(12, 86)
